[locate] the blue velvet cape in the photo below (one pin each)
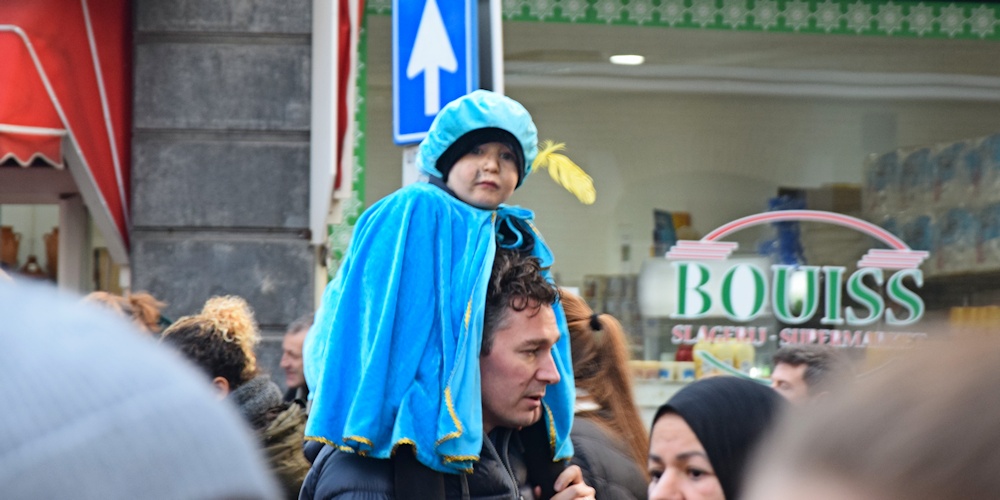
(393, 355)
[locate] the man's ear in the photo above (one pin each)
(222, 385)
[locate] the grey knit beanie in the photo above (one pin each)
(254, 398)
(95, 410)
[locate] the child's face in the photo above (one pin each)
(486, 176)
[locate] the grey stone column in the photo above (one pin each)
(220, 158)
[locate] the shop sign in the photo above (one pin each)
(884, 289)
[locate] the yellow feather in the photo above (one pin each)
(568, 174)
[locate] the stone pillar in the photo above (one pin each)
(220, 158)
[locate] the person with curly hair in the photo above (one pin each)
(391, 358)
(516, 368)
(221, 341)
(608, 434)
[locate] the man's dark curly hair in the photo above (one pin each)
(825, 365)
(515, 283)
(201, 344)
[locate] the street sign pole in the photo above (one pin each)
(491, 46)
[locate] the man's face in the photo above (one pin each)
(291, 359)
(518, 369)
(789, 381)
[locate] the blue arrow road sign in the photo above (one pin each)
(434, 61)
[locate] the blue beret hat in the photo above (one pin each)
(475, 118)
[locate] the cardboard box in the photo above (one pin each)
(842, 198)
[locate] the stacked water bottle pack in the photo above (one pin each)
(944, 199)
(615, 294)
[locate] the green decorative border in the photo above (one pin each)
(840, 17)
(339, 235)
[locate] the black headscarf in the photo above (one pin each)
(728, 415)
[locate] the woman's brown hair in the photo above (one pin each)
(600, 367)
(142, 308)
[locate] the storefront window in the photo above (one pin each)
(749, 116)
(29, 240)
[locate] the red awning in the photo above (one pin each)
(65, 93)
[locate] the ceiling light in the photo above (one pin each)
(627, 59)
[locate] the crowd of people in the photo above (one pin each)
(444, 363)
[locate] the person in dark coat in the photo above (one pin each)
(608, 435)
(291, 359)
(500, 474)
(516, 366)
(393, 355)
(220, 340)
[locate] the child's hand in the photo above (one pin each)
(570, 486)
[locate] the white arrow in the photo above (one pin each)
(432, 52)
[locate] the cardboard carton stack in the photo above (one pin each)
(617, 295)
(828, 244)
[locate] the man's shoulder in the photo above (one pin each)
(338, 475)
(343, 475)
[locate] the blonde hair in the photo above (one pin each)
(600, 367)
(221, 339)
(141, 308)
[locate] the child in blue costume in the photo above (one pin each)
(393, 355)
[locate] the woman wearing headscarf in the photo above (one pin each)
(703, 436)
